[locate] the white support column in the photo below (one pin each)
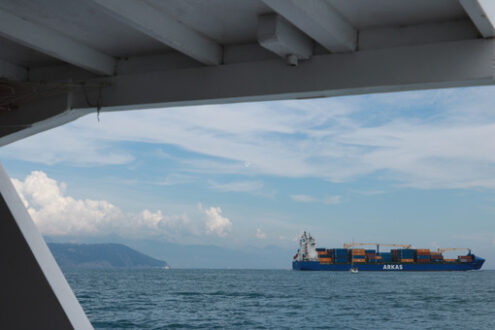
(54, 44)
(277, 35)
(165, 29)
(35, 293)
(319, 20)
(482, 13)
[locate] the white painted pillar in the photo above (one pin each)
(34, 293)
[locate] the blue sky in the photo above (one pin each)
(411, 167)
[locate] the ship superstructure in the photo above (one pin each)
(402, 258)
(307, 248)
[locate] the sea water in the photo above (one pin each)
(244, 299)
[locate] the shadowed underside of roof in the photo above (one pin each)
(60, 59)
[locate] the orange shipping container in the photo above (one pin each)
(359, 252)
(358, 260)
(325, 260)
(423, 250)
(450, 260)
(406, 260)
(321, 252)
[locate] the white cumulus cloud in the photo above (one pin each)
(57, 214)
(215, 222)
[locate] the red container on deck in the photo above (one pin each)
(465, 258)
(436, 256)
(358, 252)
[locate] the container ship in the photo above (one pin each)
(401, 258)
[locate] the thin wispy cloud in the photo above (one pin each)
(68, 144)
(175, 179)
(427, 140)
(237, 186)
(373, 192)
(330, 200)
(303, 198)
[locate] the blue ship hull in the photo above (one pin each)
(405, 267)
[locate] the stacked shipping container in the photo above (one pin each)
(403, 255)
(436, 257)
(386, 257)
(468, 258)
(323, 256)
(341, 256)
(423, 255)
(394, 256)
(358, 255)
(372, 257)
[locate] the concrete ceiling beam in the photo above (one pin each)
(482, 14)
(54, 44)
(277, 35)
(320, 21)
(164, 28)
(409, 35)
(439, 65)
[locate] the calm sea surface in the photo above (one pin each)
(159, 299)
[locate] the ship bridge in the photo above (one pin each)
(63, 59)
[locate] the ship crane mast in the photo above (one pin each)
(405, 246)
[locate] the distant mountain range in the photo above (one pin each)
(200, 256)
(70, 255)
(210, 256)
